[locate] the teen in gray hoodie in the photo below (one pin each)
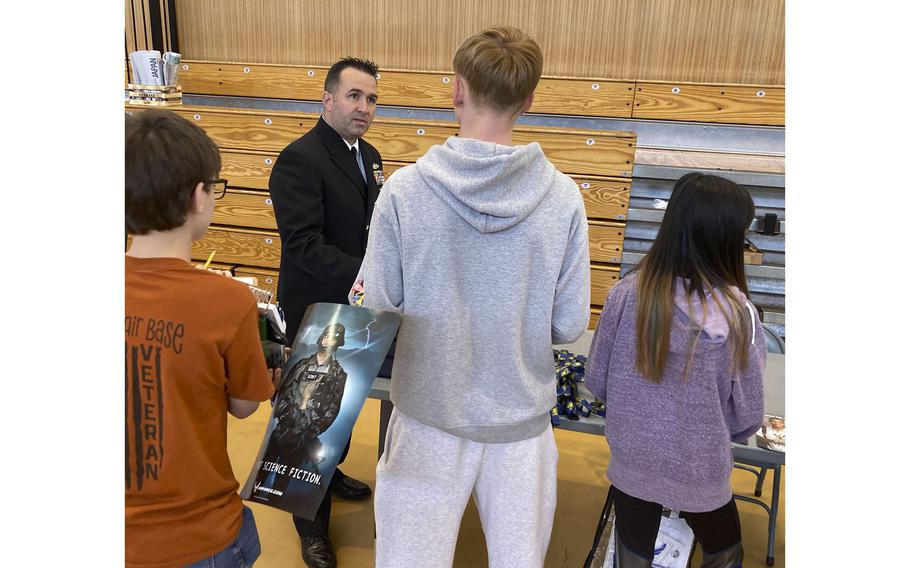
(483, 247)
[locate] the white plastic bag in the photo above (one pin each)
(672, 548)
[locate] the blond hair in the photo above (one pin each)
(501, 66)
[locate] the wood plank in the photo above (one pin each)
(268, 279)
(405, 141)
(554, 95)
(709, 103)
(605, 198)
(416, 88)
(245, 209)
(603, 153)
(299, 82)
(603, 278)
(583, 152)
(605, 241)
(241, 246)
(595, 317)
(718, 41)
(584, 97)
(249, 130)
(247, 169)
(730, 161)
(571, 151)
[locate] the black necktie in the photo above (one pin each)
(359, 163)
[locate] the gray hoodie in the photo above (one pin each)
(484, 250)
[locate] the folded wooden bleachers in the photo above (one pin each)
(244, 234)
(596, 97)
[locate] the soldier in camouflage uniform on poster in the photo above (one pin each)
(308, 402)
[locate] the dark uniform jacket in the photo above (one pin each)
(308, 401)
(323, 209)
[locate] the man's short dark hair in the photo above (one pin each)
(365, 65)
(166, 156)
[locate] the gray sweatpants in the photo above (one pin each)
(423, 482)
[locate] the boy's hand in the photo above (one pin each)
(215, 270)
(355, 296)
(276, 377)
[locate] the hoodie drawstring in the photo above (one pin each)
(752, 321)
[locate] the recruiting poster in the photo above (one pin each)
(324, 383)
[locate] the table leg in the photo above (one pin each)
(760, 482)
(772, 516)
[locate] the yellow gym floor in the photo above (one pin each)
(582, 489)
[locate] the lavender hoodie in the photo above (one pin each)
(670, 441)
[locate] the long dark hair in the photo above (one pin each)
(701, 240)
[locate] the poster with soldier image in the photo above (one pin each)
(324, 383)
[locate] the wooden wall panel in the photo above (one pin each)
(603, 278)
(605, 198)
(709, 41)
(149, 25)
(254, 80)
(600, 153)
(247, 169)
(595, 317)
(582, 97)
(707, 160)
(240, 246)
(709, 103)
(245, 209)
(244, 234)
(586, 97)
(138, 31)
(605, 239)
(249, 130)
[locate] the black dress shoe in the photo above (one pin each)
(349, 488)
(317, 551)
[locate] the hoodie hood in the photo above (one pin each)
(706, 316)
(493, 187)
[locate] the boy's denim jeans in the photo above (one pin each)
(241, 553)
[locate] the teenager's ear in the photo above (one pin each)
(458, 92)
(198, 199)
(527, 104)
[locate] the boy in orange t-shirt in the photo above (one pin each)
(192, 355)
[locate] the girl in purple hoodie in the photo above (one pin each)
(678, 357)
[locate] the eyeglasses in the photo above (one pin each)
(218, 186)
